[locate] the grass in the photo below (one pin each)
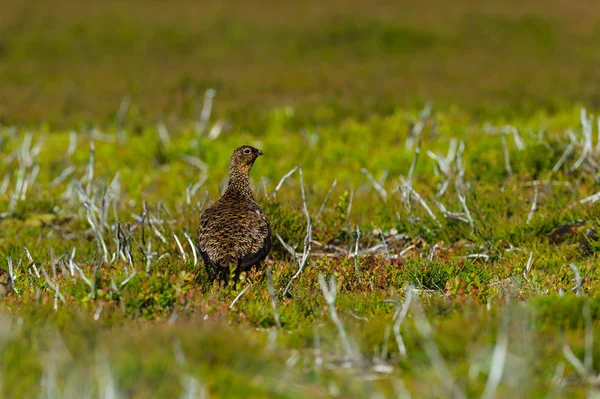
(106, 163)
(152, 323)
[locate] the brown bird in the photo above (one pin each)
(234, 233)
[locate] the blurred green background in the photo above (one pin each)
(74, 61)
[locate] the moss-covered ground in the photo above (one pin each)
(107, 287)
(443, 249)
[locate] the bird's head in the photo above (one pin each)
(242, 160)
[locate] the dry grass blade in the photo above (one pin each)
(209, 94)
(380, 190)
(498, 360)
(426, 332)
(534, 202)
(564, 157)
(273, 296)
(183, 255)
(418, 127)
(578, 279)
(283, 179)
(326, 198)
(590, 199)
(238, 296)
(307, 239)
(193, 246)
(330, 292)
(399, 316)
(421, 201)
(358, 235)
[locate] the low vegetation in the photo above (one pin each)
(443, 249)
(416, 252)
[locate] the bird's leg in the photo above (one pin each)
(224, 274)
(212, 272)
(218, 273)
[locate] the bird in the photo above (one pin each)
(234, 234)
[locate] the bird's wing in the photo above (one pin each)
(259, 234)
(235, 234)
(215, 241)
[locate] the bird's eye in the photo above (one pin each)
(247, 151)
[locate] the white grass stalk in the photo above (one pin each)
(72, 143)
(518, 140)
(124, 282)
(97, 233)
(283, 179)
(209, 95)
(307, 239)
(273, 296)
(380, 190)
(303, 261)
(31, 261)
(238, 296)
(122, 112)
(564, 157)
(424, 329)
(58, 295)
(419, 126)
(163, 133)
(498, 360)
(216, 129)
(330, 293)
(5, 182)
(107, 386)
(587, 140)
(590, 199)
(287, 247)
(195, 162)
(71, 262)
(506, 156)
(193, 246)
(534, 202)
(11, 274)
(528, 266)
(575, 362)
(68, 171)
(578, 279)
(183, 255)
(413, 164)
(451, 215)
(399, 316)
(358, 235)
(420, 200)
(152, 225)
(326, 198)
(350, 204)
(90, 170)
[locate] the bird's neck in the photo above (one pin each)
(239, 185)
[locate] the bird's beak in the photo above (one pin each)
(260, 152)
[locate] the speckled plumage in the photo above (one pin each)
(234, 233)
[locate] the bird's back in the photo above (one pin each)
(234, 232)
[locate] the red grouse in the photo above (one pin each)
(234, 234)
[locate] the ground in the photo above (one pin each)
(436, 236)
